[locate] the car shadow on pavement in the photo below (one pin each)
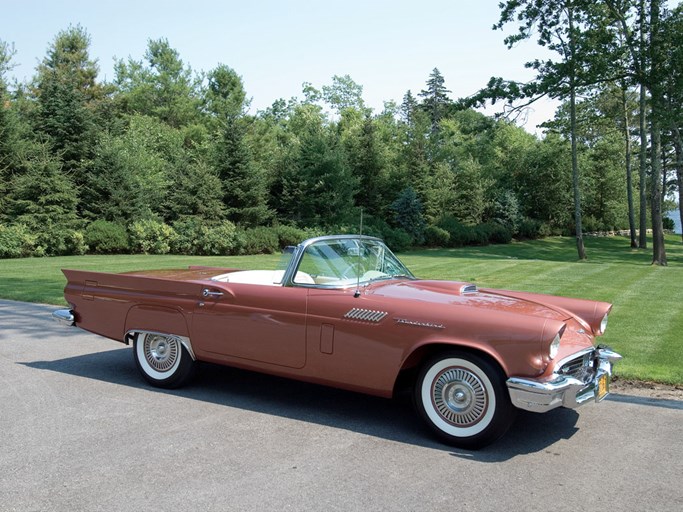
(393, 420)
(646, 400)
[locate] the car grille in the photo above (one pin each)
(581, 368)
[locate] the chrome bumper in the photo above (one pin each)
(562, 390)
(64, 317)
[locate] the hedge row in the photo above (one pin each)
(449, 232)
(196, 237)
(191, 237)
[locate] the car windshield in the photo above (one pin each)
(348, 261)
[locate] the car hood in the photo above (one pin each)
(468, 295)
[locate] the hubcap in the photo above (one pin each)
(161, 352)
(459, 396)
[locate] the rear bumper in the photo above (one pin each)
(542, 395)
(64, 317)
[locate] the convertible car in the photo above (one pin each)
(343, 311)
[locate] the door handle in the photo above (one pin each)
(214, 295)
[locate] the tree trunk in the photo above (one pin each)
(658, 249)
(642, 171)
(581, 249)
(679, 172)
(629, 176)
(678, 146)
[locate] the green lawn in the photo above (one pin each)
(645, 325)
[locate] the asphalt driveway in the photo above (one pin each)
(81, 430)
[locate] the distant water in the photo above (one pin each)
(675, 216)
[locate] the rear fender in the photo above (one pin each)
(157, 320)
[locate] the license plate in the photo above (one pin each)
(603, 386)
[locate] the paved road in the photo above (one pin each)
(80, 430)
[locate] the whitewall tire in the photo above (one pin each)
(463, 399)
(162, 359)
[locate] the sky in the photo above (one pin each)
(386, 46)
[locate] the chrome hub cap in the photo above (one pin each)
(459, 396)
(161, 352)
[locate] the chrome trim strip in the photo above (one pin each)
(575, 355)
(183, 339)
(65, 317)
(604, 352)
(562, 390)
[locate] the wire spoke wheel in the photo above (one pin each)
(161, 352)
(162, 359)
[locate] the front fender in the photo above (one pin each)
(513, 357)
(426, 346)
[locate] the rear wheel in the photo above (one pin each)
(463, 399)
(162, 359)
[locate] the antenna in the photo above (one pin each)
(360, 241)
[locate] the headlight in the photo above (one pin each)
(603, 324)
(555, 346)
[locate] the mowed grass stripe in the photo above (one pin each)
(649, 325)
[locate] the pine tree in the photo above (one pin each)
(66, 90)
(244, 187)
(435, 98)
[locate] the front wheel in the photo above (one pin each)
(463, 399)
(162, 359)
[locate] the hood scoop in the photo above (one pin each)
(468, 288)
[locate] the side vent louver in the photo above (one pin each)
(365, 315)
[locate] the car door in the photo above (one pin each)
(353, 340)
(257, 323)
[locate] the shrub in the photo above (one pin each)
(75, 243)
(58, 241)
(531, 229)
(397, 239)
(437, 237)
(260, 240)
(219, 240)
(187, 235)
(104, 237)
(151, 237)
(290, 235)
(16, 241)
(668, 223)
(590, 224)
(506, 210)
(499, 234)
(479, 234)
(460, 235)
(194, 236)
(408, 215)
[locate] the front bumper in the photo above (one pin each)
(64, 317)
(564, 390)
